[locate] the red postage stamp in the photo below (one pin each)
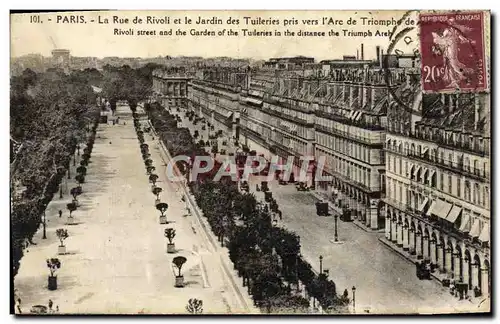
(453, 56)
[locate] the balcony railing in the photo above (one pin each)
(457, 167)
(442, 140)
(290, 118)
(275, 100)
(358, 138)
(347, 121)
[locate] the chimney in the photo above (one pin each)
(362, 52)
(381, 58)
(476, 110)
(377, 49)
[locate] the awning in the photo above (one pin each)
(358, 116)
(485, 233)
(444, 209)
(474, 232)
(255, 93)
(253, 101)
(228, 114)
(453, 215)
(432, 208)
(425, 150)
(441, 209)
(422, 205)
(465, 225)
(351, 113)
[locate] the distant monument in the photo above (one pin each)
(61, 59)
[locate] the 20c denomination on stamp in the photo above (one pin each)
(453, 56)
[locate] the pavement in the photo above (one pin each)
(117, 261)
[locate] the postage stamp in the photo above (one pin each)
(453, 55)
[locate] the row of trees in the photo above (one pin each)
(266, 257)
(50, 114)
(125, 83)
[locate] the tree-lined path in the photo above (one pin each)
(117, 260)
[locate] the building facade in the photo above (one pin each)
(416, 165)
(438, 181)
(170, 87)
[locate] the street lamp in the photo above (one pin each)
(354, 299)
(336, 234)
(320, 264)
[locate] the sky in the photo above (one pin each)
(29, 35)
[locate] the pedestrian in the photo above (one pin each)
(346, 294)
(18, 306)
(51, 303)
(280, 214)
(60, 213)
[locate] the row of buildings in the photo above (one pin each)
(414, 164)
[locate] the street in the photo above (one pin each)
(384, 281)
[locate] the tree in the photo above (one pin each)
(157, 191)
(75, 192)
(80, 178)
(71, 207)
(152, 178)
(49, 114)
(289, 304)
(195, 306)
(162, 207)
(179, 261)
(82, 170)
(170, 234)
(62, 234)
(150, 169)
(53, 264)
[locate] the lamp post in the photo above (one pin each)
(354, 299)
(320, 264)
(336, 234)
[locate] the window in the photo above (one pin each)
(433, 180)
(400, 166)
(450, 159)
(486, 197)
(475, 194)
(441, 181)
(467, 191)
(459, 187)
(449, 184)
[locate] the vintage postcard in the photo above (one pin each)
(250, 162)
